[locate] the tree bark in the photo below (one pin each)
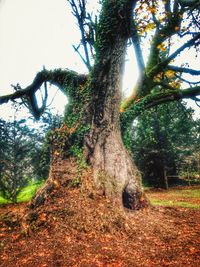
(114, 172)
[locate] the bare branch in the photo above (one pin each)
(156, 69)
(138, 51)
(186, 81)
(182, 48)
(185, 70)
(79, 12)
(76, 49)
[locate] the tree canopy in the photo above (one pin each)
(155, 25)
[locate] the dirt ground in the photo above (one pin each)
(75, 228)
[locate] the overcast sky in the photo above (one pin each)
(34, 33)
(37, 33)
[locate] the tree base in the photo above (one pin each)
(65, 174)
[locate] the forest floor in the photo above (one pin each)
(75, 228)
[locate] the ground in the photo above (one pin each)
(77, 228)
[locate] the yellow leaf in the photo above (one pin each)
(162, 47)
(150, 26)
(56, 183)
(175, 84)
(56, 153)
(170, 73)
(151, 9)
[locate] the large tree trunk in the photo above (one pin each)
(115, 175)
(114, 171)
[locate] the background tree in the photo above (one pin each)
(16, 168)
(3, 148)
(92, 118)
(24, 154)
(163, 138)
(40, 153)
(190, 165)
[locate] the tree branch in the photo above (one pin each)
(77, 51)
(58, 77)
(189, 3)
(185, 70)
(138, 51)
(79, 12)
(183, 47)
(160, 66)
(155, 99)
(186, 81)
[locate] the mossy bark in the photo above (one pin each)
(114, 172)
(115, 175)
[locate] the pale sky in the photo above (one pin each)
(37, 33)
(34, 33)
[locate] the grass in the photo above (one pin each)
(170, 203)
(182, 197)
(3, 200)
(25, 195)
(28, 192)
(194, 193)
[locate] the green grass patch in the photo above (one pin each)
(191, 193)
(173, 203)
(186, 198)
(26, 193)
(3, 201)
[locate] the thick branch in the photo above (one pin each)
(58, 77)
(152, 100)
(29, 90)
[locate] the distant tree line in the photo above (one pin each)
(24, 154)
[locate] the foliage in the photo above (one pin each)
(155, 26)
(41, 152)
(162, 139)
(29, 191)
(15, 158)
(158, 27)
(24, 154)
